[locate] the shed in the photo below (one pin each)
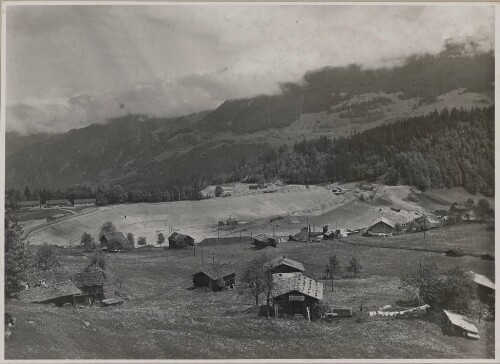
(215, 276)
(282, 264)
(64, 202)
(58, 293)
(114, 242)
(262, 241)
(460, 326)
(381, 226)
(485, 288)
(84, 202)
(91, 283)
(180, 241)
(296, 295)
(28, 204)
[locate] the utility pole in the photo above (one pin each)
(201, 255)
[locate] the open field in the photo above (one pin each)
(38, 214)
(165, 318)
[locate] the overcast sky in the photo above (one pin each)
(70, 66)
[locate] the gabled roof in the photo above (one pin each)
(263, 238)
(217, 271)
(176, 237)
(118, 236)
(382, 220)
(461, 321)
(482, 280)
(298, 283)
(43, 294)
(50, 277)
(92, 277)
(282, 260)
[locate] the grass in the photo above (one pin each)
(166, 319)
(26, 215)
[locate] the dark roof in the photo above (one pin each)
(43, 294)
(281, 260)
(217, 271)
(28, 203)
(85, 200)
(92, 277)
(176, 237)
(118, 236)
(49, 276)
(297, 282)
(55, 202)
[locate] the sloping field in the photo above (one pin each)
(190, 216)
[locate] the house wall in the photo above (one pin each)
(381, 228)
(283, 268)
(287, 307)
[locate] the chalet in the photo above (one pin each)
(485, 288)
(180, 241)
(296, 295)
(460, 326)
(284, 265)
(21, 205)
(262, 241)
(55, 217)
(114, 242)
(382, 226)
(427, 222)
(54, 203)
(84, 202)
(215, 276)
(90, 283)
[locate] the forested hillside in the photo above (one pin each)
(443, 149)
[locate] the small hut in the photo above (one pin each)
(485, 288)
(282, 264)
(382, 226)
(215, 276)
(114, 242)
(460, 326)
(180, 241)
(262, 241)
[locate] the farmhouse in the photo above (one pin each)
(28, 204)
(284, 265)
(84, 202)
(215, 276)
(53, 203)
(381, 227)
(426, 222)
(55, 217)
(261, 241)
(90, 283)
(179, 241)
(296, 295)
(114, 242)
(460, 326)
(485, 288)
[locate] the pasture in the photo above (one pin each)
(167, 319)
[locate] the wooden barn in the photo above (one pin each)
(485, 288)
(382, 226)
(58, 293)
(458, 325)
(90, 283)
(115, 242)
(21, 205)
(180, 241)
(84, 202)
(216, 277)
(296, 295)
(282, 264)
(53, 203)
(262, 241)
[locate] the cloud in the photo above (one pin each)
(69, 66)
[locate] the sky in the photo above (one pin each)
(74, 65)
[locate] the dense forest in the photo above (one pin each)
(451, 148)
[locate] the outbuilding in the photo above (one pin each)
(282, 264)
(296, 294)
(216, 277)
(84, 202)
(114, 242)
(262, 241)
(53, 203)
(21, 205)
(90, 283)
(180, 241)
(460, 326)
(485, 288)
(58, 293)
